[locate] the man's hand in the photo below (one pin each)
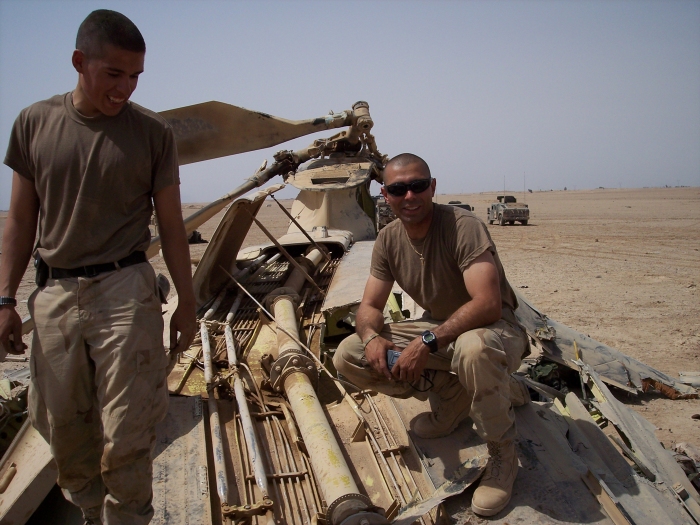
(11, 325)
(410, 364)
(375, 353)
(184, 320)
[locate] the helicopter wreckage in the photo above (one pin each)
(260, 430)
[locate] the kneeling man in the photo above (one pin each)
(468, 342)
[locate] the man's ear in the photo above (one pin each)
(382, 189)
(78, 60)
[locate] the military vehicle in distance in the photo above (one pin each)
(507, 211)
(459, 204)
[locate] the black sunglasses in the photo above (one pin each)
(399, 189)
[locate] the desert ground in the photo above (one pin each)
(620, 265)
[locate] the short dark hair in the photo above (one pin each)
(105, 27)
(408, 159)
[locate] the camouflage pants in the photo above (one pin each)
(482, 360)
(98, 388)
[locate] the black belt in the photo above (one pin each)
(95, 269)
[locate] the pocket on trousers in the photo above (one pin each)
(148, 395)
(36, 407)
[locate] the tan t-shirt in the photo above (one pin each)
(95, 178)
(456, 237)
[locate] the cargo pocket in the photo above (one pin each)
(148, 397)
(36, 406)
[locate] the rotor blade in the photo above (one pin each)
(214, 129)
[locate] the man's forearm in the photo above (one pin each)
(16, 252)
(176, 253)
(368, 321)
(19, 234)
(469, 316)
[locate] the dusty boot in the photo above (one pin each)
(496, 486)
(451, 408)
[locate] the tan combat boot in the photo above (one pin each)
(496, 486)
(451, 408)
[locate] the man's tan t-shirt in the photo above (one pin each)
(456, 237)
(95, 178)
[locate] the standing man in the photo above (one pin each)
(88, 167)
(468, 342)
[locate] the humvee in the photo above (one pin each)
(507, 211)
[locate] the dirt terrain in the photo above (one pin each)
(620, 265)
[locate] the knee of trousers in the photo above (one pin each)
(477, 353)
(347, 359)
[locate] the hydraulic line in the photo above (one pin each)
(217, 444)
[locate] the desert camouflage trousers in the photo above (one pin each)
(98, 388)
(481, 359)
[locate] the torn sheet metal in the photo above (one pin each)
(611, 478)
(639, 434)
(468, 473)
(615, 368)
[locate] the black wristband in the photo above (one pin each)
(7, 301)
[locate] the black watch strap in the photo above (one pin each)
(430, 340)
(7, 301)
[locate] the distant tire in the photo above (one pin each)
(511, 222)
(501, 220)
(524, 223)
(490, 221)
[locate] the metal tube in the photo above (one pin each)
(215, 424)
(285, 315)
(297, 278)
(246, 421)
(286, 254)
(335, 478)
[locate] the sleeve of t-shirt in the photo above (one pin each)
(166, 171)
(379, 268)
(471, 240)
(17, 156)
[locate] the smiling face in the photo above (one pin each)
(414, 209)
(106, 81)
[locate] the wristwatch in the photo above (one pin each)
(430, 340)
(5, 301)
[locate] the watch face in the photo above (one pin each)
(429, 337)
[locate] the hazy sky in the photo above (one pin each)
(574, 93)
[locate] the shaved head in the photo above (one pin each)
(404, 160)
(104, 27)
